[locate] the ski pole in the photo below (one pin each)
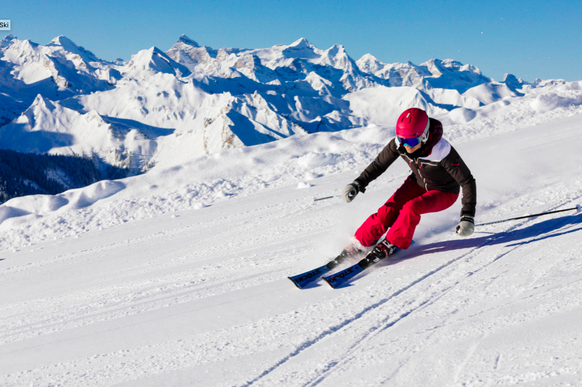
(327, 197)
(577, 208)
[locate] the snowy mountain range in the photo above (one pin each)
(167, 107)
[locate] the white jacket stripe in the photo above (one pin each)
(439, 152)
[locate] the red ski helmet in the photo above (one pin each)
(413, 123)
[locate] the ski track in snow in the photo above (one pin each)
(405, 308)
(113, 301)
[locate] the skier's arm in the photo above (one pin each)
(377, 167)
(457, 168)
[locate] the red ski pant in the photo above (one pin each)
(401, 214)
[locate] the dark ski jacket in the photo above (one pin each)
(435, 166)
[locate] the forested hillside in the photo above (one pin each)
(28, 173)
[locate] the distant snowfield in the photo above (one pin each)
(178, 276)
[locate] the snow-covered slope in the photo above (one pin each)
(178, 276)
(48, 127)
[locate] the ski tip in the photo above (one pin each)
(336, 281)
(295, 282)
(305, 279)
(329, 282)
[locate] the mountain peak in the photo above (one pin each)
(186, 40)
(513, 82)
(301, 48)
(65, 43)
(368, 58)
(7, 41)
(337, 49)
(301, 43)
(70, 46)
(41, 103)
(154, 59)
(509, 78)
(369, 63)
(144, 57)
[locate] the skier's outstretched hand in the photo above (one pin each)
(350, 191)
(466, 226)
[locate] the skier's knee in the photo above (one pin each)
(413, 206)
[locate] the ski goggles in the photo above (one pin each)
(411, 142)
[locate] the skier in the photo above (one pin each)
(438, 173)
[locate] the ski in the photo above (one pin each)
(304, 279)
(380, 252)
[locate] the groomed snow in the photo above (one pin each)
(178, 276)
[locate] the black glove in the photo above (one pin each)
(466, 226)
(350, 191)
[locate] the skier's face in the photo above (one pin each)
(412, 149)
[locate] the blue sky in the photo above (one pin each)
(530, 39)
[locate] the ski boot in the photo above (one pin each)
(380, 251)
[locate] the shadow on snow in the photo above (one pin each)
(512, 238)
